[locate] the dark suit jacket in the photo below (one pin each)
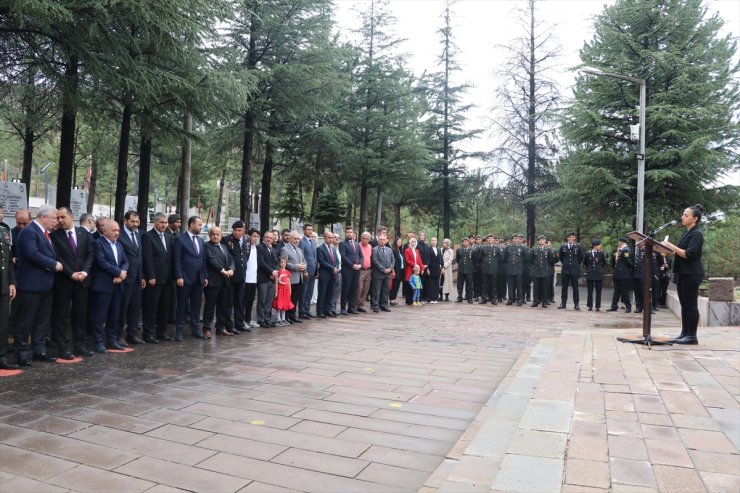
(105, 267)
(324, 259)
(218, 258)
(309, 253)
(350, 257)
(692, 241)
(190, 266)
(381, 262)
(571, 258)
(435, 261)
(156, 261)
(37, 261)
(133, 252)
(73, 262)
(267, 262)
(595, 263)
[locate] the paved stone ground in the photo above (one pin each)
(443, 397)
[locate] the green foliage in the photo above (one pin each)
(722, 248)
(692, 113)
(329, 209)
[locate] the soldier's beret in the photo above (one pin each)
(237, 224)
(570, 233)
(173, 218)
(595, 242)
(622, 239)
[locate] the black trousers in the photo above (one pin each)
(637, 288)
(488, 287)
(431, 288)
(408, 292)
(569, 280)
(622, 290)
(32, 320)
(462, 280)
(663, 296)
(477, 283)
(687, 287)
(250, 293)
(526, 283)
(539, 294)
(501, 286)
(130, 309)
(396, 285)
(217, 303)
(551, 287)
(514, 285)
(77, 297)
(326, 293)
(105, 308)
(189, 296)
(237, 302)
(591, 286)
(4, 322)
(350, 284)
(295, 298)
(156, 305)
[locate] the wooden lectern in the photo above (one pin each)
(651, 245)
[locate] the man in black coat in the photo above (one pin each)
(595, 261)
(267, 266)
(434, 264)
(157, 256)
(490, 256)
(541, 258)
(464, 259)
(220, 268)
(571, 257)
(352, 259)
(130, 240)
(74, 249)
(238, 246)
(515, 258)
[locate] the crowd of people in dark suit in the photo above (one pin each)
(102, 286)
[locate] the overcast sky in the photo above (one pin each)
(482, 25)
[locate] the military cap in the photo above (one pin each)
(237, 224)
(173, 218)
(595, 242)
(622, 239)
(541, 237)
(570, 233)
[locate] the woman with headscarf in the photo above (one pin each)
(412, 257)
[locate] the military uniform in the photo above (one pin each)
(239, 251)
(489, 258)
(514, 258)
(501, 275)
(477, 272)
(7, 279)
(571, 258)
(465, 266)
(595, 261)
(664, 275)
(623, 264)
(541, 258)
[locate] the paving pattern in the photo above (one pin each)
(443, 397)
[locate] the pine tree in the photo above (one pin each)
(329, 209)
(692, 131)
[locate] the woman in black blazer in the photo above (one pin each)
(397, 269)
(689, 273)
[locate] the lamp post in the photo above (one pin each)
(42, 171)
(641, 155)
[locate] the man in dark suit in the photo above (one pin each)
(130, 240)
(100, 227)
(7, 294)
(157, 256)
(352, 258)
(238, 246)
(623, 264)
(308, 246)
(464, 259)
(191, 275)
(267, 265)
(435, 266)
(74, 248)
(22, 219)
(109, 271)
(297, 266)
(571, 257)
(36, 266)
(220, 268)
(328, 262)
(383, 263)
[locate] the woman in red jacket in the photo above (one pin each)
(412, 257)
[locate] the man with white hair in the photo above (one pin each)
(37, 264)
(296, 264)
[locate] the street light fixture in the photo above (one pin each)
(641, 155)
(42, 171)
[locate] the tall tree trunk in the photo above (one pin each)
(531, 144)
(187, 148)
(28, 140)
(318, 185)
(363, 201)
(67, 135)
(397, 219)
(446, 208)
(266, 186)
(145, 170)
(379, 209)
(217, 219)
(122, 169)
(245, 202)
(93, 185)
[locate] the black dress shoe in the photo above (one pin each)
(100, 348)
(691, 340)
(332, 315)
(122, 343)
(376, 310)
(470, 301)
(246, 328)
(165, 337)
(178, 338)
(590, 309)
(43, 357)
(81, 351)
(116, 346)
(639, 310)
(271, 323)
(459, 300)
(482, 302)
(518, 303)
(264, 324)
(321, 316)
(612, 309)
(534, 305)
(294, 320)
(352, 311)
(561, 306)
(135, 340)
(151, 340)
(198, 335)
(385, 309)
(577, 308)
(66, 356)
(23, 362)
(494, 302)
(598, 309)
(343, 312)
(5, 365)
(628, 310)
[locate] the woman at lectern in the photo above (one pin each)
(689, 273)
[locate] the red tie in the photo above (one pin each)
(330, 253)
(46, 234)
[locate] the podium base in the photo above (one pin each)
(647, 341)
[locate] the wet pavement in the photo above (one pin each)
(444, 397)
